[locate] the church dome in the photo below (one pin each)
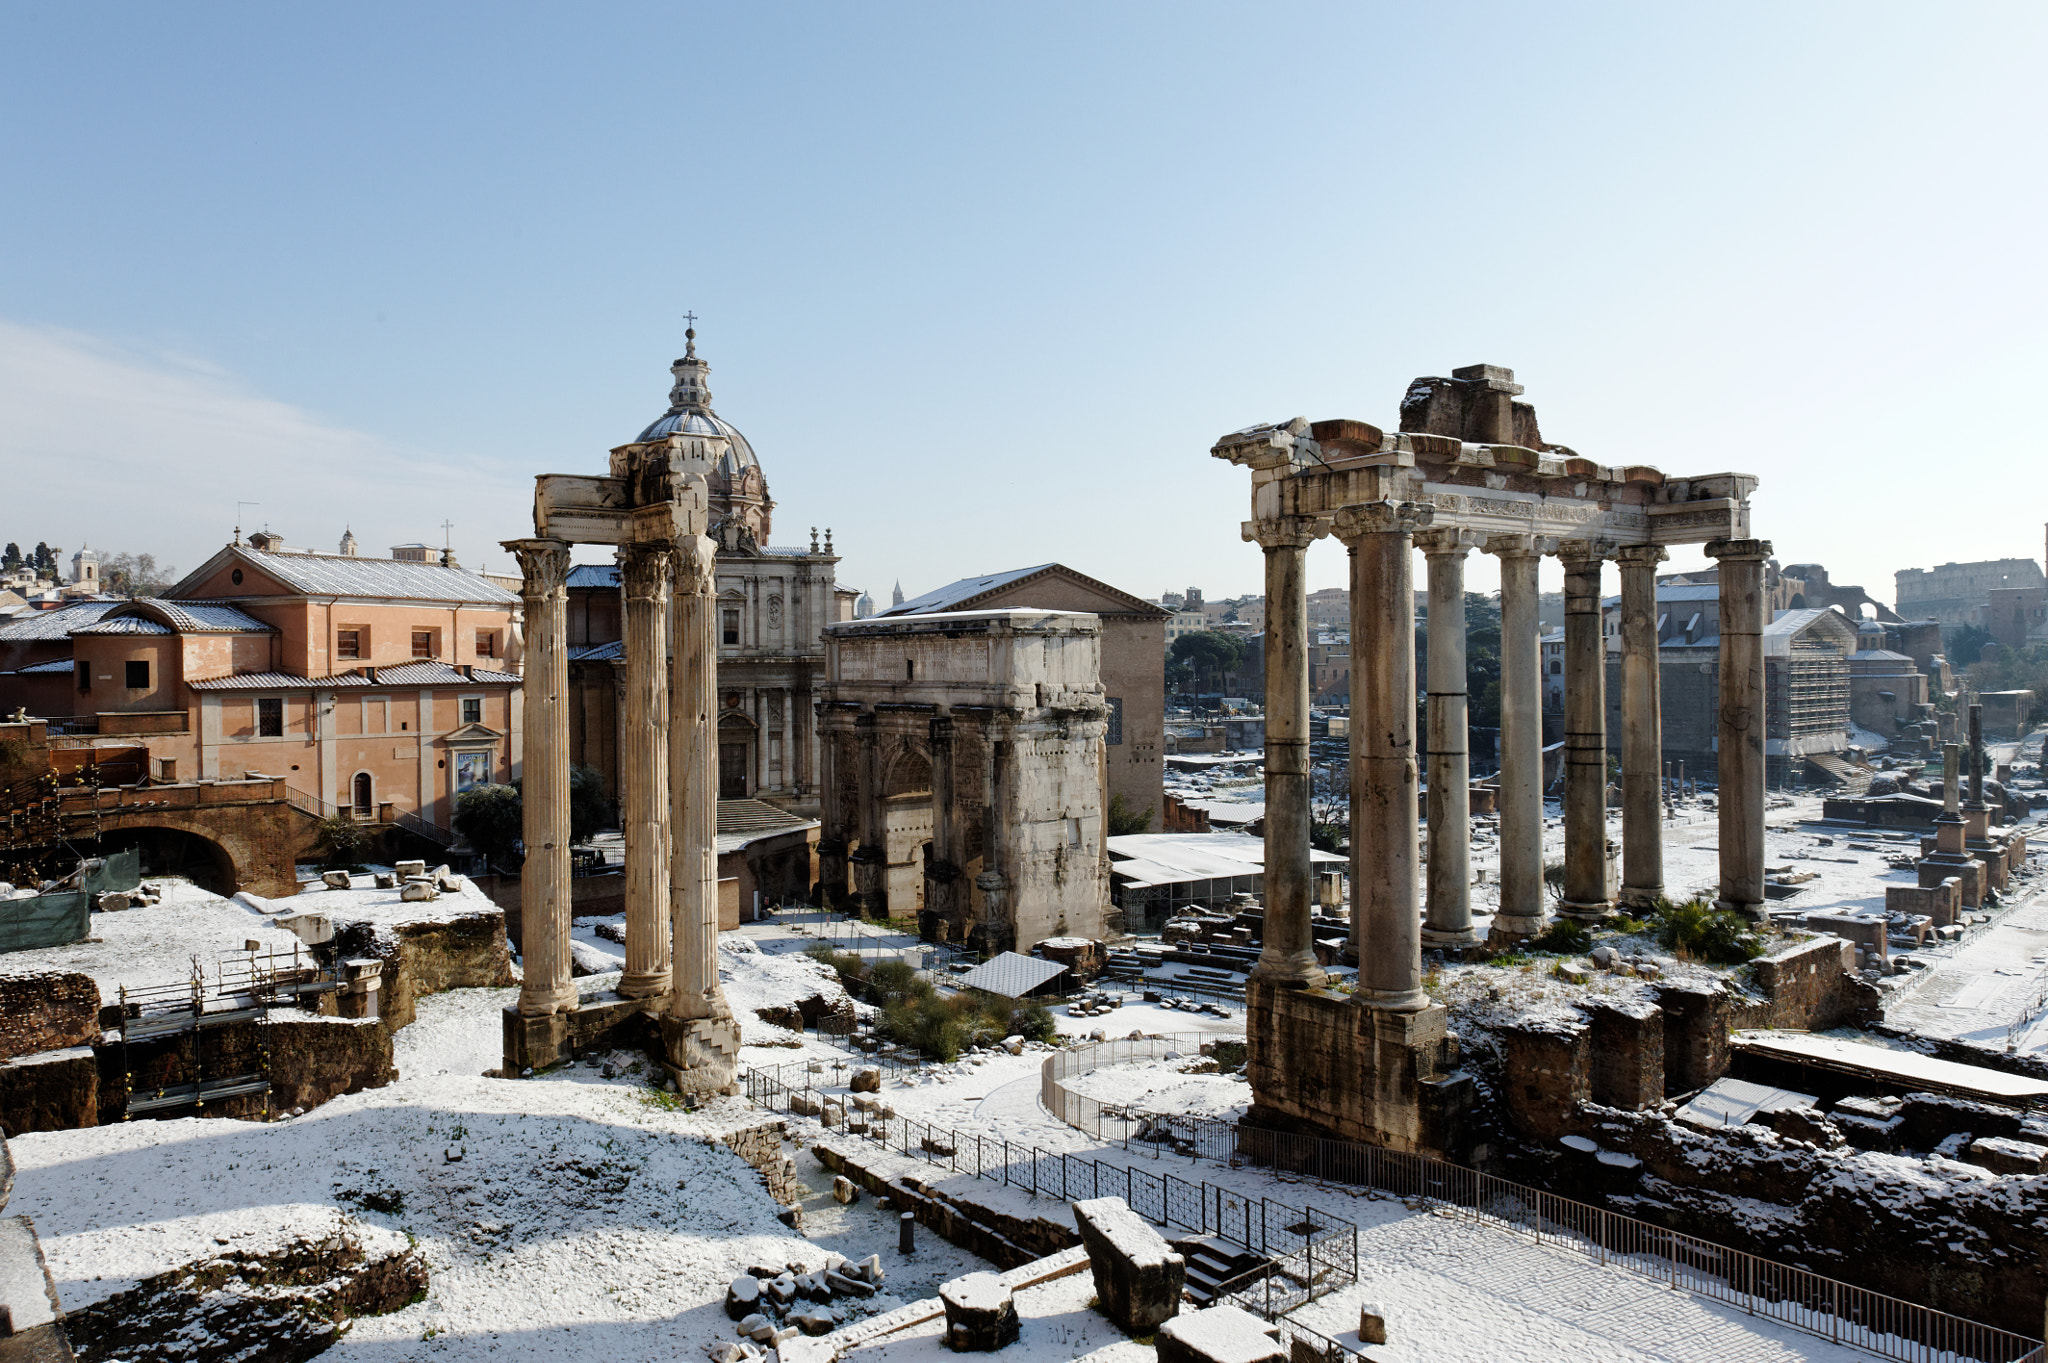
(689, 413)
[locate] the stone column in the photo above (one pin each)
(1642, 729)
(832, 821)
(1739, 797)
(699, 1036)
(544, 696)
(1586, 892)
(644, 805)
(1521, 740)
(994, 931)
(1386, 920)
(942, 871)
(1287, 957)
(1978, 818)
(871, 858)
(1449, 875)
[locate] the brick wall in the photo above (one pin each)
(47, 1011)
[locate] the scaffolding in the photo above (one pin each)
(187, 1031)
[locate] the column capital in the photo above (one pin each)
(1381, 518)
(1285, 532)
(1446, 540)
(643, 569)
(1740, 551)
(544, 564)
(1519, 546)
(1585, 551)
(696, 564)
(1641, 555)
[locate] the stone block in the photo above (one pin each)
(866, 1081)
(406, 869)
(742, 1298)
(1218, 1334)
(384, 880)
(336, 880)
(1627, 1060)
(981, 1313)
(2003, 1155)
(844, 1191)
(418, 891)
(1372, 1323)
(1137, 1274)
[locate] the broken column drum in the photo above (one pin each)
(1468, 458)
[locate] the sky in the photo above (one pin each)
(982, 283)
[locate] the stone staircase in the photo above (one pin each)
(1853, 780)
(1211, 1262)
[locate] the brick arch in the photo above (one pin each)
(251, 846)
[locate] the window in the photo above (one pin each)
(731, 626)
(486, 643)
(348, 643)
(84, 678)
(270, 717)
(472, 709)
(423, 643)
(910, 669)
(138, 675)
(1116, 721)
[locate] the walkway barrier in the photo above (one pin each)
(1841, 1312)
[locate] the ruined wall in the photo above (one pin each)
(53, 1091)
(1812, 986)
(953, 1213)
(315, 1059)
(465, 951)
(763, 1148)
(46, 1011)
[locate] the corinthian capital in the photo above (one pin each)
(1382, 518)
(544, 564)
(1585, 551)
(1285, 532)
(644, 570)
(1446, 540)
(1739, 551)
(696, 560)
(1641, 555)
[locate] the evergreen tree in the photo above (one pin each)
(11, 559)
(45, 560)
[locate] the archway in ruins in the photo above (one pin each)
(173, 852)
(907, 826)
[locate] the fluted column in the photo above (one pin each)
(544, 692)
(1287, 956)
(1386, 922)
(1642, 729)
(644, 805)
(1739, 786)
(1521, 911)
(1449, 875)
(1587, 894)
(693, 784)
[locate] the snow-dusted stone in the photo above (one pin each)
(844, 1191)
(782, 1289)
(1372, 1323)
(1218, 1334)
(1014, 1045)
(814, 1322)
(384, 880)
(2002, 1155)
(743, 1298)
(870, 1270)
(832, 1114)
(753, 1322)
(1603, 957)
(726, 1351)
(981, 1314)
(418, 891)
(336, 880)
(845, 1285)
(408, 869)
(1138, 1276)
(801, 1350)
(866, 1081)
(1571, 972)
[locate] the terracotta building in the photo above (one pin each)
(378, 686)
(1133, 660)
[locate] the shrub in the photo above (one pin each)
(1125, 818)
(852, 969)
(896, 982)
(344, 841)
(1565, 936)
(590, 808)
(489, 818)
(1696, 931)
(1033, 1022)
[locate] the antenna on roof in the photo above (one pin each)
(238, 518)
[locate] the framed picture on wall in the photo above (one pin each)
(472, 769)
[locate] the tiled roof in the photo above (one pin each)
(150, 615)
(743, 821)
(594, 575)
(50, 626)
(384, 578)
(613, 652)
(410, 674)
(966, 589)
(127, 624)
(48, 669)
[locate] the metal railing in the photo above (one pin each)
(322, 809)
(1846, 1314)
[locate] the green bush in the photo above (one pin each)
(1698, 932)
(489, 818)
(1033, 1022)
(1566, 936)
(852, 969)
(344, 841)
(896, 982)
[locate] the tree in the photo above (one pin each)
(490, 818)
(1126, 818)
(11, 560)
(45, 560)
(1210, 652)
(344, 841)
(134, 575)
(590, 808)
(1966, 645)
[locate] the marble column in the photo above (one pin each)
(1287, 956)
(1642, 729)
(1739, 756)
(1950, 829)
(1386, 916)
(832, 830)
(699, 1035)
(995, 930)
(544, 696)
(643, 770)
(1449, 873)
(942, 871)
(871, 858)
(1586, 890)
(1521, 740)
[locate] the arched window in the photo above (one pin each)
(365, 796)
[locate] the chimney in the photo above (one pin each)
(371, 673)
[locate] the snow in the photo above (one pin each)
(156, 944)
(1164, 1086)
(1057, 1323)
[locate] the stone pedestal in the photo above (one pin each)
(981, 1314)
(1642, 746)
(1522, 908)
(1740, 788)
(1587, 892)
(1138, 1276)
(1218, 1334)
(1287, 954)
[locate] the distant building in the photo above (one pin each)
(1957, 593)
(85, 569)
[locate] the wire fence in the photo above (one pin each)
(1841, 1312)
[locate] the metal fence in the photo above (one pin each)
(1833, 1310)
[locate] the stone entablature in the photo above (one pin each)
(990, 724)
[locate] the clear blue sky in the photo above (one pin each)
(981, 283)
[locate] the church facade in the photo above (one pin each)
(774, 602)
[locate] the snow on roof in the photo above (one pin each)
(1176, 858)
(954, 593)
(52, 626)
(1731, 1102)
(347, 575)
(150, 615)
(51, 668)
(1907, 1066)
(408, 674)
(594, 575)
(1010, 975)
(741, 822)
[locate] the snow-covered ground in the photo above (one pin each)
(1165, 1086)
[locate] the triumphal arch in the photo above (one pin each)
(653, 506)
(1467, 470)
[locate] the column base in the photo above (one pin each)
(1508, 929)
(1641, 896)
(1449, 939)
(652, 984)
(1757, 911)
(540, 1003)
(1591, 911)
(1298, 971)
(1392, 1000)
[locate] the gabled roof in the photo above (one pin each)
(344, 575)
(968, 593)
(54, 626)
